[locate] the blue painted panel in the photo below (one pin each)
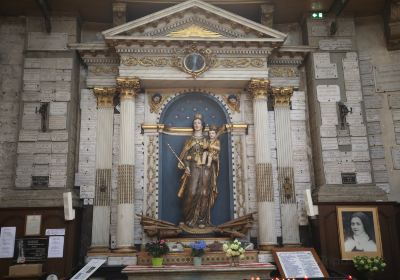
(179, 113)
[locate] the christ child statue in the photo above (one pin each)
(214, 147)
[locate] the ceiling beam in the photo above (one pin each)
(337, 7)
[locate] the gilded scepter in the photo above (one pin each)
(184, 176)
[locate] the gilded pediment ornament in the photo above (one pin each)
(194, 31)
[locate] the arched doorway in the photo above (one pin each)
(179, 113)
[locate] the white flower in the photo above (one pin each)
(225, 247)
(241, 250)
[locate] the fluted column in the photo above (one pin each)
(258, 88)
(102, 198)
(289, 219)
(129, 86)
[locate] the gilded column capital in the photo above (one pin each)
(105, 96)
(258, 88)
(282, 95)
(128, 86)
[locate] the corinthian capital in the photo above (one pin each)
(105, 96)
(128, 86)
(282, 95)
(258, 88)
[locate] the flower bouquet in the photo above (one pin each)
(369, 265)
(198, 251)
(235, 251)
(157, 249)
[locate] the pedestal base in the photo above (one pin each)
(223, 272)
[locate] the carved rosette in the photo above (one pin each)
(105, 96)
(282, 95)
(128, 86)
(258, 88)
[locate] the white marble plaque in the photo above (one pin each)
(375, 127)
(328, 93)
(63, 75)
(363, 177)
(387, 78)
(43, 147)
(375, 140)
(396, 157)
(328, 72)
(26, 147)
(31, 86)
(381, 176)
(44, 136)
(377, 152)
(57, 122)
(373, 102)
(32, 63)
(62, 96)
(48, 63)
(363, 166)
(64, 63)
(385, 187)
(58, 108)
(328, 131)
(353, 95)
(379, 164)
(342, 141)
(352, 85)
(32, 75)
(57, 136)
(63, 86)
(59, 159)
(59, 147)
(333, 178)
(349, 64)
(58, 170)
(47, 75)
(335, 44)
(41, 170)
(355, 119)
(372, 115)
(351, 74)
(365, 67)
(86, 192)
(331, 156)
(359, 143)
(329, 144)
(297, 115)
(28, 135)
(360, 155)
(41, 158)
(394, 101)
(396, 114)
(358, 130)
(41, 41)
(367, 80)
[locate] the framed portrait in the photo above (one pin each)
(359, 232)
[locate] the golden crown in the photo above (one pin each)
(198, 116)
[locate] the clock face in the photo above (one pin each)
(194, 62)
(52, 277)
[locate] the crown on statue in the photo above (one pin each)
(198, 116)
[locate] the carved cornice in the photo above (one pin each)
(128, 86)
(104, 70)
(105, 96)
(258, 88)
(282, 95)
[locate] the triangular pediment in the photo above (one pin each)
(194, 20)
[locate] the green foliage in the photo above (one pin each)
(157, 248)
(369, 264)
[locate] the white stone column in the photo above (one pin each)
(102, 199)
(126, 169)
(258, 88)
(287, 196)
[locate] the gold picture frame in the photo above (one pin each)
(359, 231)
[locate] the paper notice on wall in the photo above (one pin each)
(56, 247)
(7, 242)
(55, 231)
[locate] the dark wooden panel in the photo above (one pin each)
(389, 220)
(51, 218)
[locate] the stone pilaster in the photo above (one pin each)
(119, 13)
(102, 199)
(258, 88)
(289, 218)
(129, 86)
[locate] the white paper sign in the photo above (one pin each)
(299, 264)
(7, 242)
(55, 231)
(56, 247)
(88, 269)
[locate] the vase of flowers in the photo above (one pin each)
(234, 251)
(369, 266)
(198, 251)
(157, 249)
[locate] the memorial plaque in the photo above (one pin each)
(46, 95)
(344, 141)
(363, 177)
(64, 63)
(349, 178)
(59, 147)
(359, 143)
(366, 67)
(384, 187)
(40, 181)
(373, 102)
(57, 136)
(335, 44)
(57, 122)
(58, 108)
(367, 80)
(44, 136)
(41, 158)
(297, 115)
(377, 152)
(328, 131)
(343, 132)
(49, 63)
(396, 157)
(33, 249)
(43, 147)
(358, 130)
(333, 178)
(387, 78)
(375, 140)
(329, 144)
(351, 74)
(48, 75)
(372, 115)
(394, 101)
(353, 95)
(32, 63)
(28, 135)
(63, 86)
(363, 166)
(59, 159)
(332, 167)
(62, 96)
(397, 136)
(41, 41)
(40, 169)
(349, 64)
(31, 75)
(396, 114)
(375, 127)
(381, 176)
(30, 96)
(331, 156)
(328, 93)
(379, 164)
(355, 119)
(63, 75)
(26, 147)
(86, 191)
(360, 155)
(352, 85)
(327, 72)
(31, 86)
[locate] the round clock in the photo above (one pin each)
(194, 62)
